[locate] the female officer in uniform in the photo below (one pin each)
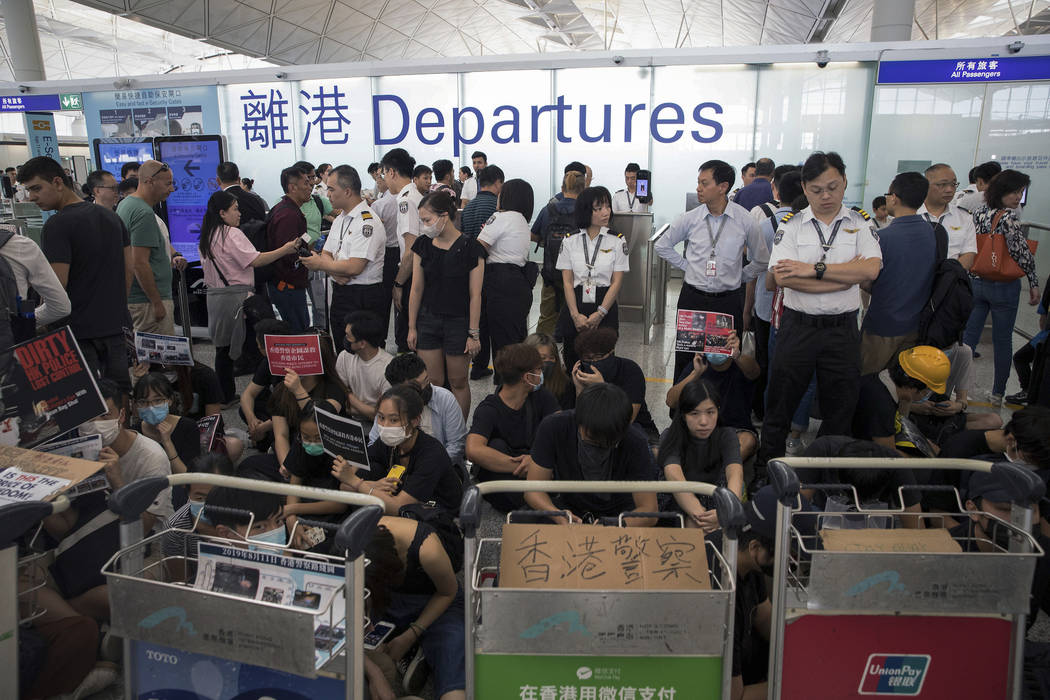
(507, 293)
(592, 262)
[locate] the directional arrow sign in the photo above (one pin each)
(190, 168)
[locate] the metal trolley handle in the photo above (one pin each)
(16, 519)
(730, 512)
(130, 501)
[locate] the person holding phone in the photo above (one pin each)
(592, 263)
(635, 197)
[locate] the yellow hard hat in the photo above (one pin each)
(927, 364)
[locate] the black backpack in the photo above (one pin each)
(559, 225)
(945, 314)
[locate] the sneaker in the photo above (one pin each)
(414, 673)
(996, 400)
(1020, 397)
(793, 447)
(98, 679)
(111, 648)
(480, 373)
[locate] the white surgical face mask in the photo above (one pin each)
(108, 428)
(432, 230)
(392, 435)
(275, 536)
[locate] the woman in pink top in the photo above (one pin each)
(228, 259)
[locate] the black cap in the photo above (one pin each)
(761, 512)
(989, 487)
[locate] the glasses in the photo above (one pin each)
(162, 168)
(953, 184)
(114, 188)
(155, 403)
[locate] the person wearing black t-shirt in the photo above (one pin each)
(428, 475)
(732, 376)
(598, 364)
(89, 248)
(555, 379)
(594, 442)
(505, 422)
(255, 399)
(444, 306)
(698, 448)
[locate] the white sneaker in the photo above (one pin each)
(98, 679)
(794, 447)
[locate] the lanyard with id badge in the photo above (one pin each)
(711, 270)
(826, 244)
(590, 289)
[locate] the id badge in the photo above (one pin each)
(712, 267)
(590, 293)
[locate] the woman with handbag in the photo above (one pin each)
(1004, 256)
(230, 282)
(509, 276)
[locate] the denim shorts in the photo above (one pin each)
(445, 333)
(443, 642)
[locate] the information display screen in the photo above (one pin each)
(112, 153)
(193, 161)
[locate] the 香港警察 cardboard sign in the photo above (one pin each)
(897, 540)
(591, 557)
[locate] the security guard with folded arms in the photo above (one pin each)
(820, 257)
(593, 261)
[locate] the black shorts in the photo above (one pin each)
(445, 333)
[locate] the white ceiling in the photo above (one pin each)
(181, 34)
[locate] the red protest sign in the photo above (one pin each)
(299, 353)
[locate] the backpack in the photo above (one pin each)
(325, 224)
(14, 328)
(559, 225)
(944, 316)
(257, 232)
(771, 213)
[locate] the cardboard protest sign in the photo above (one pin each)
(703, 331)
(343, 437)
(591, 557)
(299, 353)
(897, 540)
(54, 390)
(62, 471)
(17, 486)
(163, 349)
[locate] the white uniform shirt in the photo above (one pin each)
(969, 198)
(796, 239)
(962, 236)
(507, 235)
(741, 233)
(470, 188)
(386, 208)
(408, 200)
(611, 256)
(624, 201)
(359, 234)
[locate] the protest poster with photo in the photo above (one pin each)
(163, 349)
(299, 353)
(343, 437)
(211, 432)
(48, 390)
(84, 447)
(703, 331)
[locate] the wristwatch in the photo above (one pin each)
(821, 268)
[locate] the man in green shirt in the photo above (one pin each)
(149, 300)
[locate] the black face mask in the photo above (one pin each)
(605, 366)
(997, 533)
(767, 569)
(428, 394)
(347, 346)
(548, 367)
(595, 461)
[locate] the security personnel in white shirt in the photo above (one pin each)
(626, 200)
(940, 209)
(593, 261)
(509, 276)
(819, 257)
(397, 167)
(385, 207)
(717, 234)
(352, 256)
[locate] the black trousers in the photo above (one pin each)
(401, 318)
(1023, 360)
(391, 261)
(108, 357)
(347, 298)
(761, 329)
(731, 302)
(506, 300)
(485, 352)
(503, 502)
(567, 329)
(830, 345)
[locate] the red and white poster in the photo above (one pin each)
(703, 331)
(299, 353)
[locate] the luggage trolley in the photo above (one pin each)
(20, 578)
(663, 643)
(230, 641)
(911, 621)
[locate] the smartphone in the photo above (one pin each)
(643, 189)
(302, 246)
(586, 367)
(396, 472)
(378, 634)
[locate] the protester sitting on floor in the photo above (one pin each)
(255, 400)
(697, 447)
(248, 516)
(427, 475)
(555, 379)
(596, 441)
(732, 377)
(505, 422)
(175, 544)
(362, 364)
(413, 585)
